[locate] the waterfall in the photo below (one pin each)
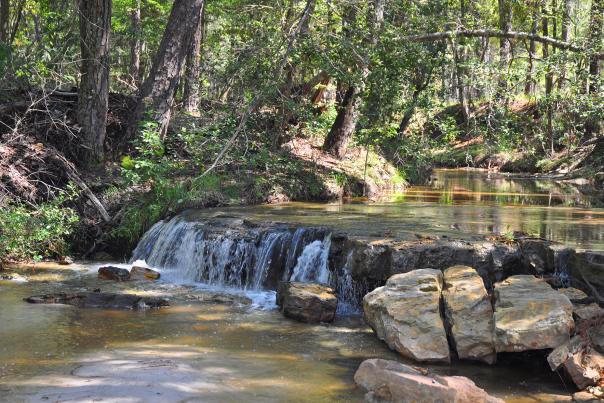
(231, 254)
(312, 263)
(227, 256)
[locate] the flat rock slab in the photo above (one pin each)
(530, 315)
(307, 302)
(99, 300)
(469, 314)
(405, 313)
(391, 381)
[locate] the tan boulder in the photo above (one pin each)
(391, 381)
(469, 314)
(530, 315)
(405, 313)
(307, 302)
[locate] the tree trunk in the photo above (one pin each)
(136, 44)
(4, 18)
(567, 14)
(336, 142)
(159, 89)
(93, 97)
(191, 95)
(505, 25)
(592, 126)
(529, 88)
(342, 130)
(549, 80)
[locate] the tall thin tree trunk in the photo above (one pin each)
(505, 46)
(159, 89)
(4, 18)
(567, 13)
(529, 88)
(93, 96)
(549, 79)
(136, 44)
(191, 92)
(592, 126)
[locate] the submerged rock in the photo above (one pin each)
(469, 314)
(530, 315)
(307, 302)
(114, 273)
(99, 300)
(219, 298)
(143, 273)
(391, 381)
(405, 313)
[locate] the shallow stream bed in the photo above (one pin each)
(194, 351)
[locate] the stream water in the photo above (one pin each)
(240, 350)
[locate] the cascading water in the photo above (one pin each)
(254, 258)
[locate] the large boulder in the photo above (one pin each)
(99, 300)
(113, 273)
(391, 381)
(530, 315)
(306, 302)
(469, 314)
(405, 313)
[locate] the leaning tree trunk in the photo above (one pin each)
(343, 128)
(345, 124)
(191, 96)
(93, 96)
(136, 44)
(159, 89)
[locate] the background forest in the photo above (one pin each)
(115, 114)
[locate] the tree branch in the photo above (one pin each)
(493, 33)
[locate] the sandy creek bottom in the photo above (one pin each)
(195, 351)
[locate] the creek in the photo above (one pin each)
(242, 348)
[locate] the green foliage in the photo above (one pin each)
(28, 233)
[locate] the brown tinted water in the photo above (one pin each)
(198, 352)
(458, 204)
